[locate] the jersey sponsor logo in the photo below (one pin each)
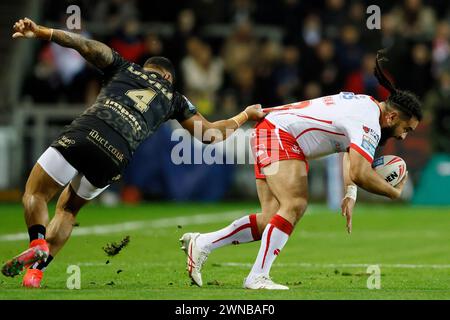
(369, 144)
(372, 133)
(351, 95)
(116, 178)
(348, 95)
(378, 162)
(296, 149)
(65, 142)
(124, 114)
(95, 137)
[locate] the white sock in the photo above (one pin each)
(242, 230)
(273, 239)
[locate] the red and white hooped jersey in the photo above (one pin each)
(332, 124)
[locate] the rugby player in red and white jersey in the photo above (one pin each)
(283, 143)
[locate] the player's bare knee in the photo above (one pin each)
(296, 207)
(301, 208)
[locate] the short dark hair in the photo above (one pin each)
(406, 102)
(162, 62)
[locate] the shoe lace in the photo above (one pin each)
(265, 278)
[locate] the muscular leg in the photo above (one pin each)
(269, 204)
(60, 227)
(245, 229)
(39, 190)
(289, 186)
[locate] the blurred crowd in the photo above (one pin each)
(233, 53)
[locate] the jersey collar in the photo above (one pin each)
(378, 105)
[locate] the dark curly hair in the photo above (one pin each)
(405, 101)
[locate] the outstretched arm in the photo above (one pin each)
(212, 132)
(97, 53)
(348, 203)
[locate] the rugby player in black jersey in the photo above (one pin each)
(94, 149)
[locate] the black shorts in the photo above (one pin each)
(94, 149)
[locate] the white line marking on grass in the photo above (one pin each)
(294, 264)
(144, 224)
(344, 265)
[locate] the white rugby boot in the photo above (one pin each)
(262, 281)
(195, 257)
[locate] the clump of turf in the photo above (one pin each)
(113, 248)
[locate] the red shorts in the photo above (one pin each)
(271, 144)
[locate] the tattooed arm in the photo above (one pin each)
(97, 53)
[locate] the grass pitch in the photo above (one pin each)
(320, 261)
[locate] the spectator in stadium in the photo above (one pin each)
(202, 75)
(311, 32)
(321, 66)
(418, 77)
(389, 32)
(349, 49)
(152, 46)
(290, 17)
(415, 20)
(240, 48)
(210, 12)
(437, 113)
(363, 80)
(286, 75)
(241, 11)
(441, 48)
(243, 85)
(333, 16)
(128, 41)
(266, 61)
(44, 83)
(311, 90)
(114, 13)
(185, 28)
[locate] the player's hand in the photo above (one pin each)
(25, 28)
(254, 112)
(347, 206)
(399, 187)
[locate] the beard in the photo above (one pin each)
(386, 133)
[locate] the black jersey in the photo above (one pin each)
(135, 102)
(132, 104)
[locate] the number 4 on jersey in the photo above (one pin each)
(142, 98)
